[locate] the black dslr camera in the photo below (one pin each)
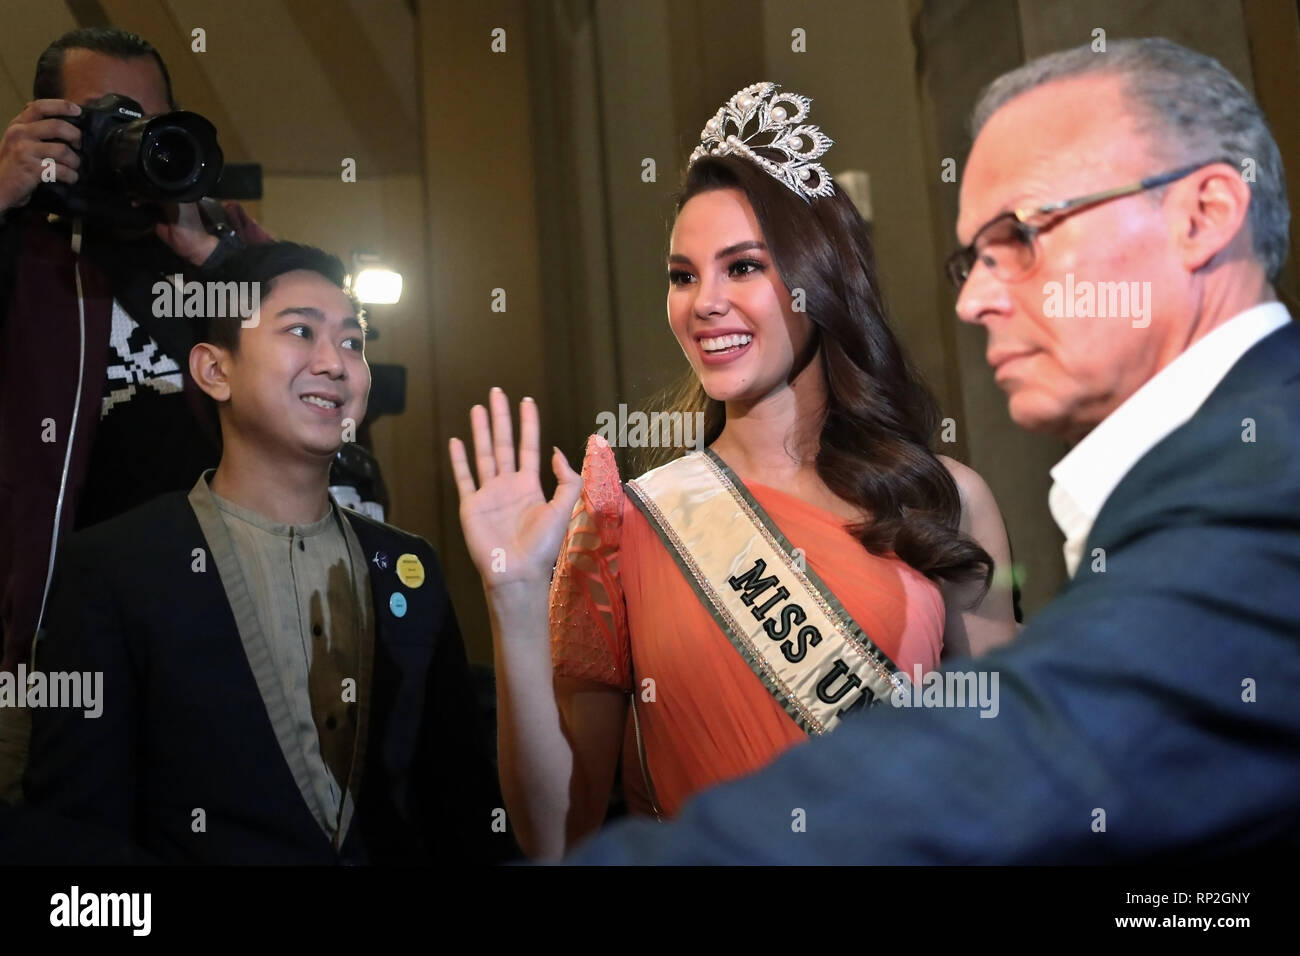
(128, 160)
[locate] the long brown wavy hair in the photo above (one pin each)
(880, 416)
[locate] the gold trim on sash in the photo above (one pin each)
(782, 619)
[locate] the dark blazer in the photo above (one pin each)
(1162, 691)
(184, 726)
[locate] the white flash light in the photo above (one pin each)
(375, 285)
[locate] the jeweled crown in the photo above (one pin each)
(763, 125)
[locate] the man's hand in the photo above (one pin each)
(182, 228)
(27, 143)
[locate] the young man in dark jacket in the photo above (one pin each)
(283, 679)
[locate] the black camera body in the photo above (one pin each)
(128, 159)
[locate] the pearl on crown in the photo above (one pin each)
(776, 117)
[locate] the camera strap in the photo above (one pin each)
(213, 211)
(214, 214)
(77, 229)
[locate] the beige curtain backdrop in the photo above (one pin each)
(519, 177)
(535, 184)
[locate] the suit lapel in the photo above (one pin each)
(262, 665)
(1270, 362)
(370, 548)
(1274, 359)
(365, 672)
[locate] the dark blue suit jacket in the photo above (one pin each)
(184, 725)
(1128, 694)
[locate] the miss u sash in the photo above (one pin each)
(782, 619)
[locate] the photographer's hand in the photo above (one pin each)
(182, 228)
(33, 136)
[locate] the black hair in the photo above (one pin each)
(110, 41)
(263, 263)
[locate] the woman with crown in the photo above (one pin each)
(812, 560)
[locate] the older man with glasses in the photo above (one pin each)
(1150, 711)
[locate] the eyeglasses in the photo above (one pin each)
(1008, 244)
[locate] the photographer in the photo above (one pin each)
(97, 411)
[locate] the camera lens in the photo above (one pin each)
(171, 159)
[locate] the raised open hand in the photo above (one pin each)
(512, 531)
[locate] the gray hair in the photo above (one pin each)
(1189, 107)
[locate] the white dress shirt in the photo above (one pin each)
(1085, 478)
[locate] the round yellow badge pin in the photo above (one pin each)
(410, 571)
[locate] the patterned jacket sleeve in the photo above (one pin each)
(589, 636)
